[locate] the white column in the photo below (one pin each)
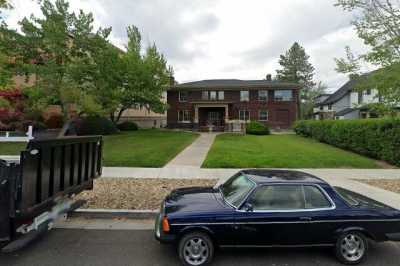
(196, 114)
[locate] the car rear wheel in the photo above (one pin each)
(351, 248)
(196, 249)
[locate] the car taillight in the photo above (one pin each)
(165, 225)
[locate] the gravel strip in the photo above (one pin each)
(135, 194)
(386, 184)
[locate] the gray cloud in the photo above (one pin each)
(170, 24)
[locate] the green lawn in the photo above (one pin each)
(11, 148)
(143, 148)
(280, 151)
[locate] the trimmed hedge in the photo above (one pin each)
(376, 138)
(257, 128)
(95, 125)
(127, 126)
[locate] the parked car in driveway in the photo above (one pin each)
(273, 208)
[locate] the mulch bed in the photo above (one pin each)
(386, 184)
(135, 194)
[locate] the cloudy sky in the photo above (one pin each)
(205, 39)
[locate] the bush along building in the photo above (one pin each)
(225, 104)
(347, 102)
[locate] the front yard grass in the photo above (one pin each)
(280, 151)
(142, 148)
(145, 148)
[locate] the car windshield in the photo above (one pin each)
(236, 189)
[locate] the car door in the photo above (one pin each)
(273, 214)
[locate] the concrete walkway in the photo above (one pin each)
(195, 154)
(190, 172)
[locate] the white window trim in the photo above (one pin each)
(183, 121)
(248, 93)
(249, 119)
(259, 115)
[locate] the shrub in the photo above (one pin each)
(95, 125)
(257, 128)
(128, 126)
(376, 138)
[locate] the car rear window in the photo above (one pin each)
(357, 200)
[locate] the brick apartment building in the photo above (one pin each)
(216, 104)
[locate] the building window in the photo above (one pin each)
(368, 92)
(183, 96)
(321, 108)
(263, 115)
(213, 95)
(263, 96)
(244, 115)
(244, 96)
(221, 95)
(184, 116)
(283, 95)
(204, 95)
(330, 107)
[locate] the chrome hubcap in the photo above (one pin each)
(195, 251)
(352, 247)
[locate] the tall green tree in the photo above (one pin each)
(378, 25)
(5, 72)
(146, 76)
(52, 47)
(295, 67)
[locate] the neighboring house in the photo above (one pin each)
(145, 118)
(347, 103)
(221, 104)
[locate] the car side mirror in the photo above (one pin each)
(248, 207)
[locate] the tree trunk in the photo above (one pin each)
(119, 115)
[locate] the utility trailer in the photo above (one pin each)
(40, 187)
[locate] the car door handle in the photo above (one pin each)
(307, 219)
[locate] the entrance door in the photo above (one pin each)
(282, 116)
(214, 118)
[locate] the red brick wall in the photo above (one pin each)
(275, 109)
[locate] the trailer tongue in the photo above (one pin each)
(40, 188)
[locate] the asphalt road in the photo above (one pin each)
(103, 247)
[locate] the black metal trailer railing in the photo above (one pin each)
(49, 170)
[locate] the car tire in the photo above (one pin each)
(196, 249)
(351, 248)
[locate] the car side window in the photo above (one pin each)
(278, 197)
(315, 199)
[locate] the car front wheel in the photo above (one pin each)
(196, 249)
(351, 248)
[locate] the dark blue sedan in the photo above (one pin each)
(273, 208)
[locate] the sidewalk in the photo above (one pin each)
(190, 172)
(194, 154)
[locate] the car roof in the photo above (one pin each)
(281, 176)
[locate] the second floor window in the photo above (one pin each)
(263, 96)
(244, 96)
(213, 95)
(244, 115)
(221, 95)
(283, 95)
(183, 96)
(330, 107)
(204, 95)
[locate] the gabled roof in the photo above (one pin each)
(345, 111)
(346, 88)
(234, 84)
